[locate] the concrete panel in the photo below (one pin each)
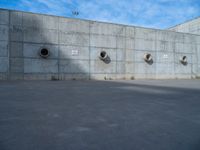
(130, 32)
(16, 33)
(130, 55)
(165, 36)
(32, 50)
(179, 37)
(3, 48)
(130, 43)
(198, 39)
(73, 66)
(50, 22)
(120, 54)
(32, 20)
(142, 44)
(121, 68)
(185, 48)
(194, 70)
(194, 58)
(189, 38)
(40, 66)
(165, 46)
(74, 52)
(72, 25)
(183, 69)
(73, 39)
(129, 65)
(198, 70)
(144, 68)
(16, 18)
(4, 32)
(50, 36)
(165, 57)
(165, 69)
(98, 66)
(16, 49)
(36, 35)
(95, 53)
(147, 34)
(107, 29)
(103, 41)
(4, 17)
(120, 42)
(40, 21)
(17, 65)
(33, 35)
(192, 26)
(4, 64)
(198, 54)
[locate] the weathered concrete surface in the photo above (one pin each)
(80, 115)
(191, 26)
(75, 46)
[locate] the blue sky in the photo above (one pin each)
(147, 13)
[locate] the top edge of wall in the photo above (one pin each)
(168, 30)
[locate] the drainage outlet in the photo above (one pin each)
(148, 57)
(183, 60)
(103, 55)
(44, 52)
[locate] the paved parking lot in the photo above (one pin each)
(100, 115)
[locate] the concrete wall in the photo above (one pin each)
(192, 26)
(75, 46)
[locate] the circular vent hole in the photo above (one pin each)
(44, 52)
(103, 54)
(148, 56)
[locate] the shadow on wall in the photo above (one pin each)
(42, 49)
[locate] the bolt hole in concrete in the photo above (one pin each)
(44, 52)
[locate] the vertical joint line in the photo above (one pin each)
(8, 48)
(89, 73)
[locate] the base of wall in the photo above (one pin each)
(20, 76)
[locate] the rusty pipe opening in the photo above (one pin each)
(148, 57)
(103, 55)
(44, 52)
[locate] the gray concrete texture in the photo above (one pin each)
(191, 26)
(75, 46)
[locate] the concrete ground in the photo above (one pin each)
(100, 115)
